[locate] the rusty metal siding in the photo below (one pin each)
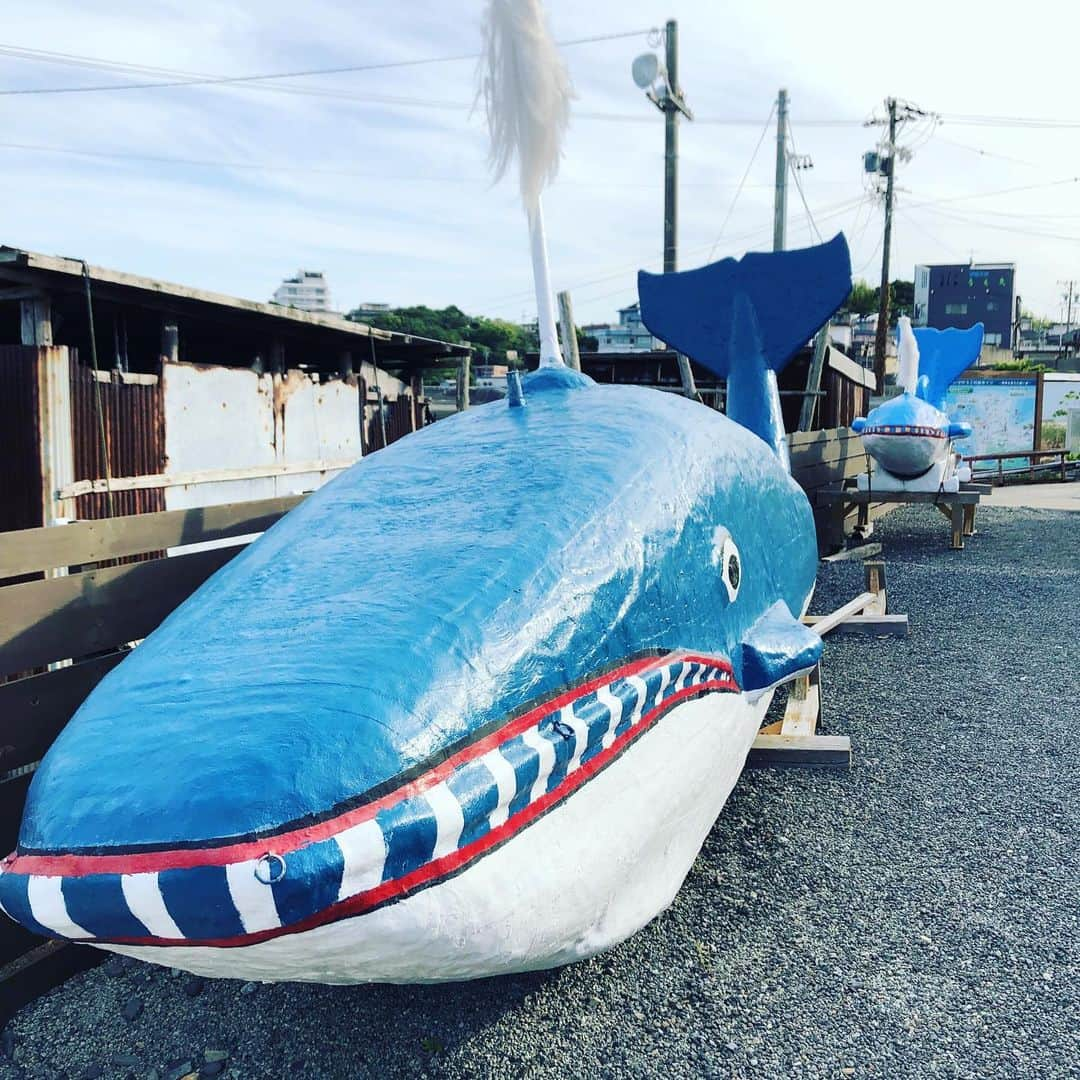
(20, 446)
(134, 423)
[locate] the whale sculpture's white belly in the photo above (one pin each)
(906, 454)
(582, 878)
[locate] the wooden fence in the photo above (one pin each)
(826, 459)
(62, 631)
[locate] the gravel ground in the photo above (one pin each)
(916, 917)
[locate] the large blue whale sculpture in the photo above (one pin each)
(474, 705)
(910, 436)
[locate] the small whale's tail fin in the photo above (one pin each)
(745, 318)
(943, 355)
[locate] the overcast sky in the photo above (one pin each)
(390, 197)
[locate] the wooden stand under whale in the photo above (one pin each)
(794, 740)
(958, 506)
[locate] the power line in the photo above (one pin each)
(795, 173)
(172, 78)
(1008, 121)
(318, 170)
(999, 191)
(739, 189)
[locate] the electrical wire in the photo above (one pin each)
(176, 78)
(317, 170)
(742, 182)
(798, 182)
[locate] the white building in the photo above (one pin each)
(307, 291)
(629, 335)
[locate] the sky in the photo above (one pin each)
(379, 177)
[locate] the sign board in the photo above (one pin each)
(1061, 393)
(1001, 409)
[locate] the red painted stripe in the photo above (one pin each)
(455, 860)
(286, 842)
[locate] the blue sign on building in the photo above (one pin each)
(963, 294)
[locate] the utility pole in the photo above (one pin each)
(882, 336)
(1070, 295)
(779, 232)
(661, 86)
(672, 105)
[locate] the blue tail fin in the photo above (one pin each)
(744, 319)
(943, 355)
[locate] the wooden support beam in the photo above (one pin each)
(825, 623)
(35, 321)
(569, 332)
(957, 526)
(813, 379)
(875, 583)
(170, 343)
(686, 376)
(803, 704)
(862, 551)
(54, 431)
(969, 519)
(803, 751)
(203, 476)
(872, 625)
(463, 384)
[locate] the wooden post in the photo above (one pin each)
(569, 334)
(874, 571)
(170, 343)
(35, 319)
(277, 358)
(345, 363)
(416, 392)
(54, 430)
(969, 519)
(813, 379)
(686, 376)
(803, 705)
(463, 383)
(958, 526)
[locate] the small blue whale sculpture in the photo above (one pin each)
(474, 705)
(910, 436)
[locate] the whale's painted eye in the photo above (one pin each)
(725, 557)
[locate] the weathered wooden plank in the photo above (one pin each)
(871, 625)
(822, 624)
(875, 496)
(802, 439)
(805, 751)
(861, 551)
(34, 710)
(827, 474)
(202, 476)
(84, 542)
(803, 705)
(73, 616)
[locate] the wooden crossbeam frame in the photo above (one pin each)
(794, 740)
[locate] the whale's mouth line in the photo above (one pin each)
(427, 830)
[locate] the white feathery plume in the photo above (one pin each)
(526, 91)
(907, 375)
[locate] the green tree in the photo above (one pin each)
(491, 338)
(864, 299)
